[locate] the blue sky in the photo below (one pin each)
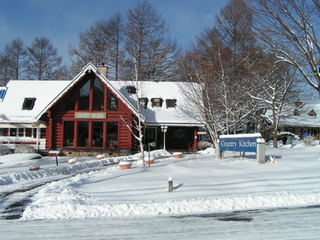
(62, 20)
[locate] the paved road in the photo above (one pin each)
(298, 223)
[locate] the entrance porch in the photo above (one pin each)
(172, 138)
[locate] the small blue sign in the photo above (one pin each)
(242, 143)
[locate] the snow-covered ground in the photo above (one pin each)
(202, 184)
(15, 169)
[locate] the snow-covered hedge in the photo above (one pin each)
(20, 148)
(4, 150)
(309, 141)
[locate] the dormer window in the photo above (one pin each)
(156, 102)
(131, 89)
(28, 103)
(171, 103)
(312, 113)
(144, 102)
(296, 112)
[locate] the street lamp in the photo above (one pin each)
(164, 130)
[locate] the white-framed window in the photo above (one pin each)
(12, 132)
(21, 132)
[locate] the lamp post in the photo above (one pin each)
(164, 130)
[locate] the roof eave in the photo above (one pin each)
(173, 124)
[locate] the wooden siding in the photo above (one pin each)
(57, 115)
(125, 138)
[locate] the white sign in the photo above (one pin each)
(90, 115)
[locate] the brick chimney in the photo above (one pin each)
(103, 70)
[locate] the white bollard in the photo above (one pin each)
(170, 184)
(219, 153)
(261, 150)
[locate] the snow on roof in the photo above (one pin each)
(304, 119)
(47, 93)
(164, 115)
(244, 135)
(300, 121)
(11, 108)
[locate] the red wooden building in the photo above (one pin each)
(89, 114)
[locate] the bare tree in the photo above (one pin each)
(93, 47)
(43, 62)
(15, 54)
(115, 39)
(137, 127)
(201, 102)
(101, 44)
(5, 73)
(148, 46)
(291, 30)
(221, 64)
(272, 90)
(233, 29)
(147, 50)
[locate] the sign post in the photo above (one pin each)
(54, 153)
(261, 150)
(219, 153)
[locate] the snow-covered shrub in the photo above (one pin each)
(202, 145)
(4, 150)
(209, 150)
(309, 141)
(24, 149)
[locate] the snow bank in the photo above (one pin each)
(63, 169)
(210, 150)
(160, 153)
(16, 177)
(11, 159)
(65, 202)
